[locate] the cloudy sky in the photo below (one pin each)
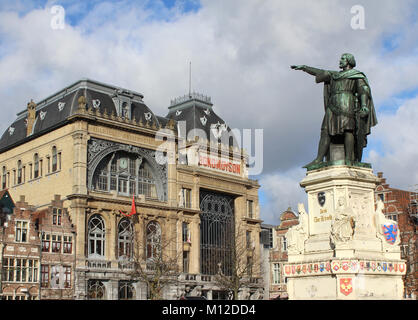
(241, 51)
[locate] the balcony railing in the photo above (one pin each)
(98, 264)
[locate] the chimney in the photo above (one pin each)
(30, 120)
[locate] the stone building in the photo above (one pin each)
(278, 255)
(91, 147)
(401, 206)
(20, 254)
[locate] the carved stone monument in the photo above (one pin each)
(343, 247)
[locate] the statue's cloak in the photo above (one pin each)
(363, 124)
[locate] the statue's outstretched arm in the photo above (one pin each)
(311, 70)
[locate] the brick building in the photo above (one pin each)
(401, 206)
(278, 255)
(20, 254)
(57, 251)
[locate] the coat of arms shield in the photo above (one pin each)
(321, 198)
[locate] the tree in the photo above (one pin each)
(240, 275)
(154, 261)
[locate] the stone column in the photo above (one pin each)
(80, 138)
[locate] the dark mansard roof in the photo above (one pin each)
(54, 111)
(197, 113)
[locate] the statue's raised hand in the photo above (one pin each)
(297, 67)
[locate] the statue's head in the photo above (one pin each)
(347, 59)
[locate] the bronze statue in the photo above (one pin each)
(349, 110)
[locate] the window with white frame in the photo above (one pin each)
(68, 244)
(276, 273)
(186, 195)
(55, 277)
(96, 236)
(125, 238)
(20, 270)
(46, 242)
(21, 231)
(56, 243)
(67, 277)
(56, 216)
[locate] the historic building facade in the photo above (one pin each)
(278, 255)
(88, 149)
(401, 206)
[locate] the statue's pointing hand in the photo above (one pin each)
(297, 67)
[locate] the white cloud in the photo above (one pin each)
(281, 190)
(398, 134)
(240, 53)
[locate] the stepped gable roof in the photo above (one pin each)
(55, 110)
(197, 111)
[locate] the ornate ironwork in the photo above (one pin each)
(98, 149)
(217, 233)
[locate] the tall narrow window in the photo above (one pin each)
(248, 239)
(46, 242)
(54, 159)
(186, 261)
(55, 276)
(14, 176)
(96, 237)
(284, 244)
(56, 216)
(21, 231)
(4, 180)
(153, 240)
(250, 205)
(187, 197)
(186, 232)
(36, 166)
(56, 243)
(68, 244)
(125, 239)
(67, 277)
(19, 172)
(276, 273)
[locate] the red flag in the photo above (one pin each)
(133, 209)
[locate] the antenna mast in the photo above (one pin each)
(190, 79)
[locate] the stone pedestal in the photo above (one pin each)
(343, 248)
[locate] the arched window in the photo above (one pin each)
(153, 240)
(4, 180)
(19, 172)
(125, 173)
(54, 159)
(126, 291)
(36, 166)
(96, 235)
(125, 238)
(95, 290)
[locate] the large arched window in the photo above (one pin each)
(54, 159)
(36, 166)
(125, 238)
(125, 173)
(153, 247)
(96, 235)
(96, 290)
